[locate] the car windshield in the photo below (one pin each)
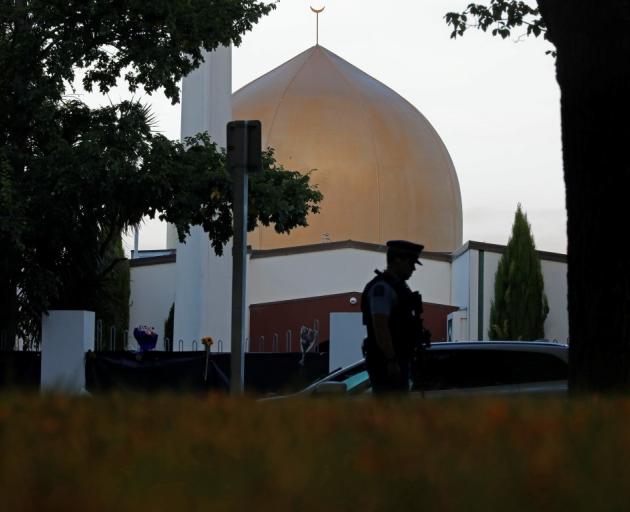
(354, 377)
(356, 380)
(347, 373)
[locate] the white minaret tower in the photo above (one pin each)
(203, 289)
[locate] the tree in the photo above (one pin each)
(520, 306)
(72, 178)
(500, 17)
(592, 44)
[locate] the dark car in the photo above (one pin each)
(461, 368)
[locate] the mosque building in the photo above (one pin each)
(385, 174)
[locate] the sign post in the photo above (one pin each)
(243, 156)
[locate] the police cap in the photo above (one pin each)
(407, 248)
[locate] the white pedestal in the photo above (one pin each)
(66, 337)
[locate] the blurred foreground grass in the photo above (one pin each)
(168, 452)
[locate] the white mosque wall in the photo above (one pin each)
(432, 280)
(288, 276)
(152, 293)
(313, 274)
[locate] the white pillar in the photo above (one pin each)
(203, 294)
(66, 337)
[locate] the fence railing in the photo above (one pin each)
(195, 346)
(112, 339)
(307, 341)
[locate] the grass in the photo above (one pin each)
(173, 452)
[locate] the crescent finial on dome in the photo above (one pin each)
(317, 11)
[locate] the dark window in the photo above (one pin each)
(447, 369)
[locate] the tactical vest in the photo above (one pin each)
(403, 319)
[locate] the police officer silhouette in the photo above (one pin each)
(392, 316)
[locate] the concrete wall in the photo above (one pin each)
(557, 323)
(487, 261)
(317, 273)
(460, 289)
(152, 293)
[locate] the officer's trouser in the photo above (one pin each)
(380, 379)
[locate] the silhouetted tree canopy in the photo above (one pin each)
(73, 178)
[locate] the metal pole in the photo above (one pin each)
(244, 155)
(239, 279)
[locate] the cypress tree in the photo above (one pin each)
(520, 306)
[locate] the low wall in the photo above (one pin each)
(20, 370)
(186, 371)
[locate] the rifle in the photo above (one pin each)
(421, 339)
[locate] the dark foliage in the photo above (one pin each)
(592, 43)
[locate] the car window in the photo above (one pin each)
(447, 369)
(534, 367)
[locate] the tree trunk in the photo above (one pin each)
(8, 313)
(593, 71)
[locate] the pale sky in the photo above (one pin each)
(495, 103)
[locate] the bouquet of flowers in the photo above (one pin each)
(146, 337)
(207, 342)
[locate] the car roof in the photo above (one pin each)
(546, 347)
(501, 343)
(558, 349)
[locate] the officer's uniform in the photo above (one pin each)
(389, 295)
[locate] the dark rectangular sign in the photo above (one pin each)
(244, 146)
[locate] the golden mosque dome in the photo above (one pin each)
(382, 168)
